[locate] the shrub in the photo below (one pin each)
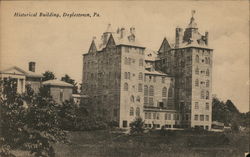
(137, 126)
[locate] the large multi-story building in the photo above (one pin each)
(170, 87)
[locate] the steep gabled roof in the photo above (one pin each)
(165, 46)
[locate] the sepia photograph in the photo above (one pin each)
(124, 78)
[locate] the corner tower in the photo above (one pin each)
(193, 73)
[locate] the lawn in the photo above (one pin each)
(103, 143)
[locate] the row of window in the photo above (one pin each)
(196, 106)
(204, 94)
(153, 79)
(197, 72)
(202, 83)
(136, 112)
(128, 61)
(127, 75)
(132, 99)
(131, 49)
(206, 60)
(202, 117)
(168, 116)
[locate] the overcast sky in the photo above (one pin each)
(57, 44)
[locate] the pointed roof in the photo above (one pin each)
(192, 23)
(164, 45)
(109, 29)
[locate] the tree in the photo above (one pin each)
(137, 126)
(69, 80)
(48, 75)
(32, 127)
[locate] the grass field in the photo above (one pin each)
(154, 144)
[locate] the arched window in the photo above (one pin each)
(137, 111)
(145, 90)
(138, 98)
(141, 62)
(196, 82)
(197, 59)
(206, 60)
(207, 72)
(170, 92)
(132, 99)
(207, 83)
(131, 111)
(197, 71)
(126, 86)
(164, 92)
(151, 91)
(140, 76)
(202, 94)
(207, 94)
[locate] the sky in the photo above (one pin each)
(57, 44)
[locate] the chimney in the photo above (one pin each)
(122, 33)
(206, 40)
(178, 36)
(32, 66)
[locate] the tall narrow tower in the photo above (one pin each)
(193, 73)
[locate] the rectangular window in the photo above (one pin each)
(163, 80)
(139, 87)
(149, 115)
(207, 106)
(151, 101)
(154, 115)
(196, 117)
(145, 101)
(201, 117)
(207, 117)
(125, 123)
(196, 106)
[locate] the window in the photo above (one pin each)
(138, 98)
(174, 117)
(139, 87)
(126, 86)
(187, 117)
(157, 116)
(169, 116)
(131, 111)
(154, 115)
(196, 105)
(197, 59)
(61, 95)
(164, 92)
(207, 72)
(149, 115)
(206, 60)
(202, 94)
(197, 83)
(207, 117)
(145, 90)
(207, 83)
(137, 112)
(145, 101)
(163, 80)
(170, 92)
(207, 106)
(197, 70)
(177, 117)
(132, 99)
(125, 123)
(151, 91)
(201, 117)
(140, 62)
(126, 49)
(140, 76)
(207, 94)
(166, 116)
(154, 78)
(196, 117)
(128, 75)
(151, 101)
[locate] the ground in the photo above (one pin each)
(104, 143)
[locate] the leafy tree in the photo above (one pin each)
(48, 75)
(69, 80)
(28, 122)
(137, 126)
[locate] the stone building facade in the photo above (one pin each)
(168, 88)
